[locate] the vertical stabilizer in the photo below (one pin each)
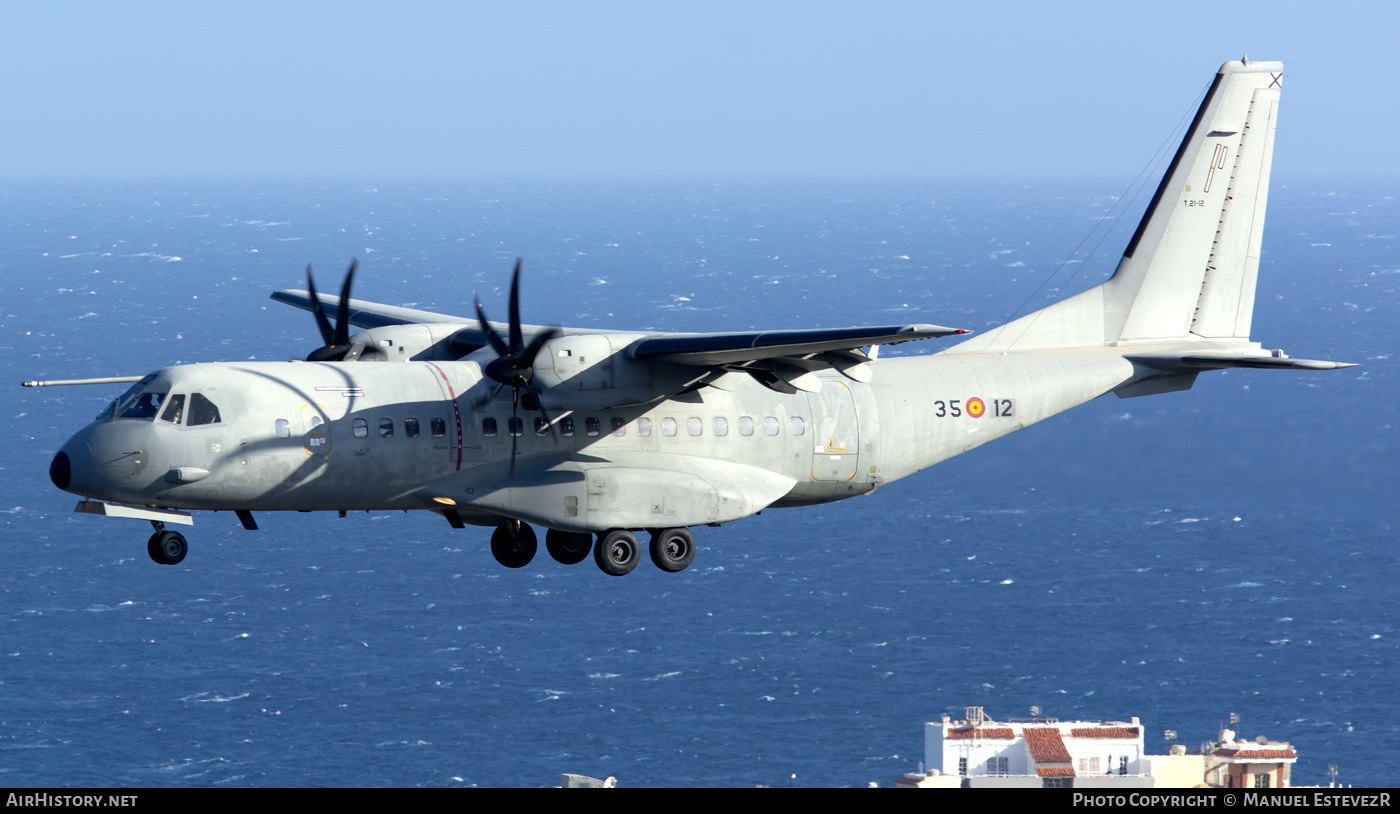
(1190, 268)
(1192, 263)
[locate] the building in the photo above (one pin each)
(1047, 753)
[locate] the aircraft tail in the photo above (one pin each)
(1190, 268)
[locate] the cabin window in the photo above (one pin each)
(770, 425)
(488, 427)
(517, 427)
(361, 426)
(566, 426)
(799, 426)
(202, 411)
(439, 427)
(644, 427)
(619, 427)
(721, 426)
(541, 427)
(668, 427)
(745, 425)
(386, 428)
(410, 427)
(143, 408)
(175, 409)
(593, 426)
(284, 428)
(694, 426)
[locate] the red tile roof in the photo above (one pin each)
(1055, 771)
(985, 732)
(1046, 745)
(1258, 754)
(1122, 732)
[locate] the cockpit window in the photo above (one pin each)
(142, 408)
(174, 409)
(202, 411)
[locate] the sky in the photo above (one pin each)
(667, 88)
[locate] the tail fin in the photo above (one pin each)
(1191, 266)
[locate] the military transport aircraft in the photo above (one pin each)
(606, 433)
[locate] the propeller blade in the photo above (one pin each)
(516, 430)
(516, 341)
(497, 344)
(317, 311)
(529, 354)
(342, 322)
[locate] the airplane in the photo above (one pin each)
(596, 435)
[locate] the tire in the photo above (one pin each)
(617, 552)
(568, 548)
(672, 549)
(513, 544)
(167, 547)
(153, 549)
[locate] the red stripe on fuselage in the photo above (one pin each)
(456, 411)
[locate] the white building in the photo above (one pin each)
(980, 752)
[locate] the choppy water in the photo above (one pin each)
(1177, 558)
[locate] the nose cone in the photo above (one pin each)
(61, 470)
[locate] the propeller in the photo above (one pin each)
(337, 339)
(514, 365)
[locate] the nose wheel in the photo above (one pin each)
(167, 547)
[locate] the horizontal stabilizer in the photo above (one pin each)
(1220, 360)
(717, 349)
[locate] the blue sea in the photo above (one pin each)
(1179, 558)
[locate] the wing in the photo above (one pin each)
(364, 314)
(784, 360)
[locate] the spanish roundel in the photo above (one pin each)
(975, 407)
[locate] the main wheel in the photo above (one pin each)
(672, 549)
(513, 544)
(567, 547)
(167, 547)
(617, 552)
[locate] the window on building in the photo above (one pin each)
(962, 766)
(386, 428)
(439, 427)
(410, 427)
(1123, 764)
(1261, 781)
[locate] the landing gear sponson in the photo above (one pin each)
(617, 552)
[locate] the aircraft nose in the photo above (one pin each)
(61, 470)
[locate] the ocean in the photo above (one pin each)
(1178, 558)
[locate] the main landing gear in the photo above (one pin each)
(616, 553)
(166, 547)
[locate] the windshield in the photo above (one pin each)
(136, 403)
